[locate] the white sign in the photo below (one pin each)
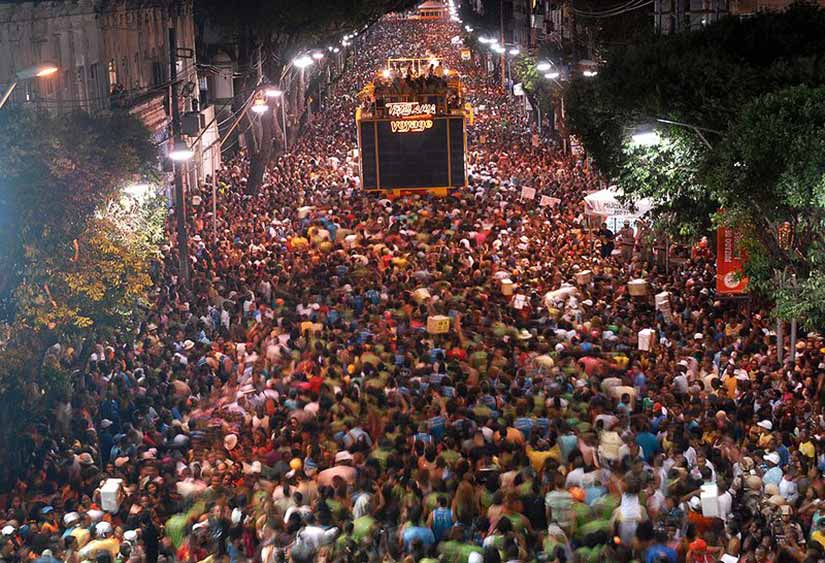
(411, 126)
(403, 109)
(528, 193)
(519, 301)
(518, 89)
(547, 201)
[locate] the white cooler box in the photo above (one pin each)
(111, 495)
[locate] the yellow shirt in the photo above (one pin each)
(108, 544)
(82, 536)
(807, 449)
(730, 385)
(538, 458)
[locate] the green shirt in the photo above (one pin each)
(362, 527)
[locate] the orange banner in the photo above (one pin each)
(729, 259)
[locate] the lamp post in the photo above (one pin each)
(513, 52)
(301, 63)
(317, 56)
(277, 93)
(179, 154)
(36, 71)
(648, 136)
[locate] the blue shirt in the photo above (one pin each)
(649, 445)
(438, 427)
(772, 476)
(657, 550)
(442, 522)
(525, 425)
(420, 533)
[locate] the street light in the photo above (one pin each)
(646, 138)
(181, 152)
(36, 71)
(543, 66)
(468, 28)
(137, 191)
(484, 40)
(552, 75)
(317, 55)
(514, 51)
(259, 106)
(302, 62)
(273, 93)
(589, 73)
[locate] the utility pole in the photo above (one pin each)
(180, 203)
(792, 347)
(501, 42)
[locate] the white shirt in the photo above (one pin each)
(788, 490)
(725, 502)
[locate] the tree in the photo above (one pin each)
(721, 78)
(58, 171)
(278, 30)
(703, 78)
(70, 267)
(768, 174)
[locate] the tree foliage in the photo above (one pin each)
(71, 268)
(768, 174)
(757, 82)
(703, 78)
(60, 173)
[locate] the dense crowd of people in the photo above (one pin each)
(292, 404)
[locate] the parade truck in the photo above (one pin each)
(412, 129)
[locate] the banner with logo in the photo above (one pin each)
(729, 260)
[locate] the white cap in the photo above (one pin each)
(70, 518)
(766, 424)
(103, 528)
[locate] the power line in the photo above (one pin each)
(619, 10)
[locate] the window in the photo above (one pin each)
(112, 73)
(157, 74)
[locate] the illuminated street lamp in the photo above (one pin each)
(515, 51)
(646, 138)
(302, 62)
(543, 66)
(181, 152)
(317, 55)
(259, 106)
(273, 93)
(484, 40)
(36, 71)
(589, 73)
(138, 190)
(552, 75)
(468, 28)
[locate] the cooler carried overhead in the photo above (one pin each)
(411, 128)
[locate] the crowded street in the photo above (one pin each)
(292, 402)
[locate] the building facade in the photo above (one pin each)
(671, 16)
(110, 54)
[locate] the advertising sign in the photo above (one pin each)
(729, 260)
